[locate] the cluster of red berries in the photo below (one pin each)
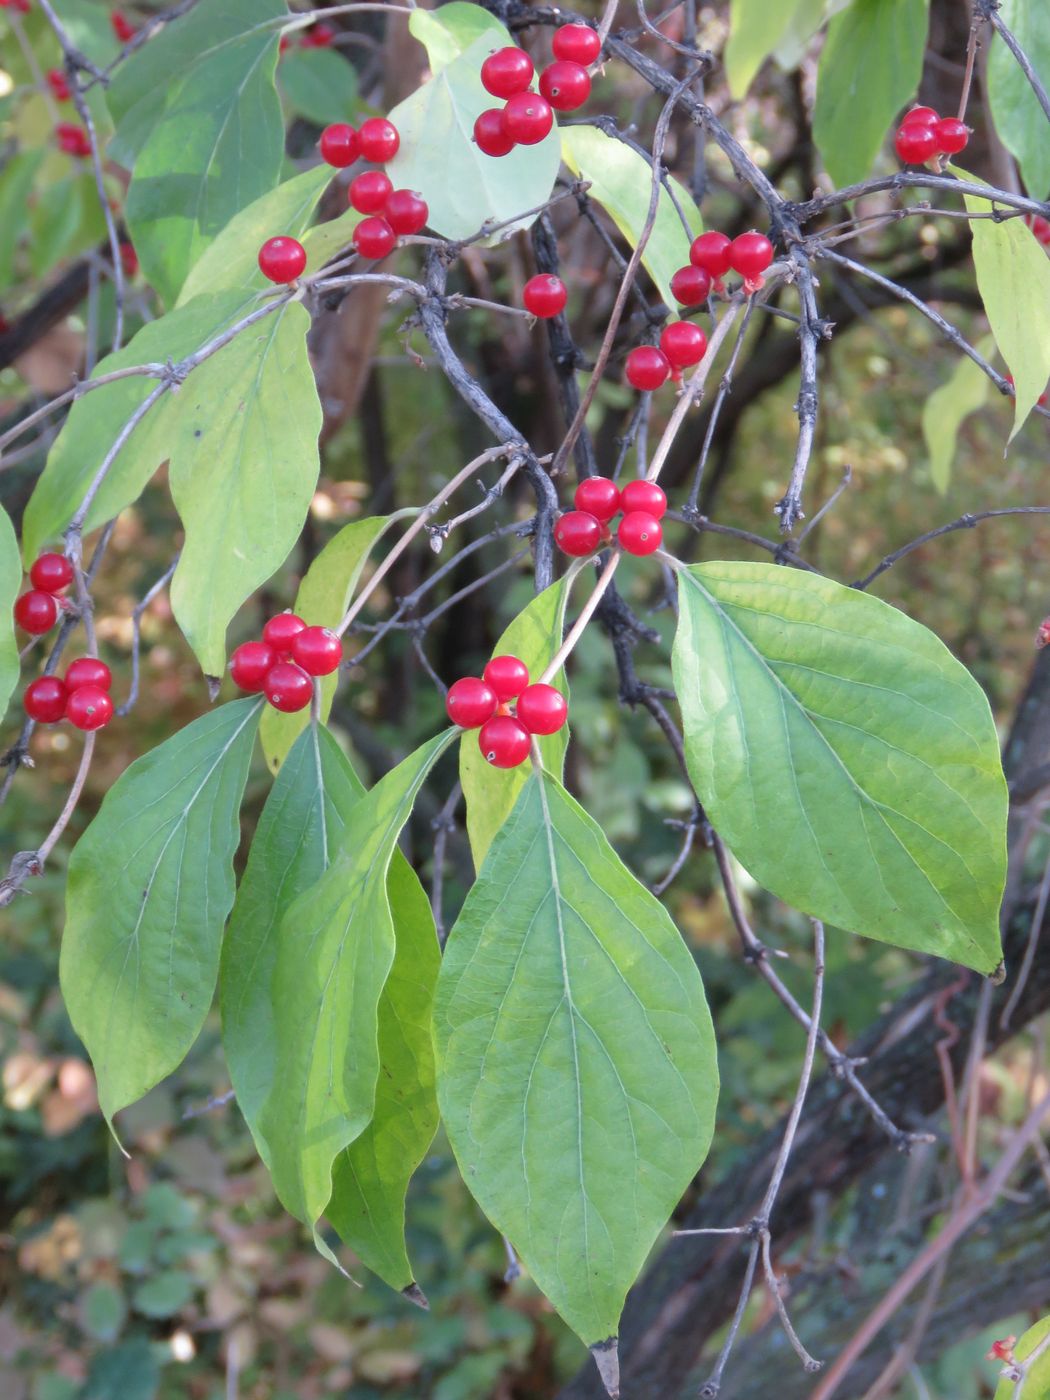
(682, 345)
(318, 36)
(712, 255)
(526, 117)
(59, 84)
(36, 611)
(82, 696)
(923, 135)
(72, 139)
(597, 500)
(283, 664)
(506, 709)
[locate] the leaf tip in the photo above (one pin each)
(607, 1359)
(415, 1294)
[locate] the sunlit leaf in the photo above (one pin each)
(947, 408)
(1019, 119)
(755, 31)
(1037, 1380)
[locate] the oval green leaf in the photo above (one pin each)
(947, 408)
(318, 84)
(1018, 117)
(1037, 1380)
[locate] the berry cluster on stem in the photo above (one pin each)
(526, 116)
(36, 611)
(597, 500)
(506, 710)
(282, 666)
(923, 136)
(81, 696)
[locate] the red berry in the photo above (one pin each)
(406, 212)
(506, 72)
(544, 295)
(504, 741)
(251, 663)
(374, 238)
(89, 708)
(470, 702)
(59, 84)
(339, 145)
(320, 36)
(280, 630)
(542, 709)
(750, 254)
(644, 496)
(711, 252)
(507, 676)
(640, 533)
(691, 285)
(282, 259)
(288, 688)
(129, 259)
(122, 26)
(683, 343)
(45, 700)
(88, 670)
(490, 133)
(36, 612)
(51, 573)
(577, 533)
(369, 191)
(1042, 636)
(952, 136)
(920, 116)
(379, 140)
(597, 496)
(317, 650)
(647, 367)
(915, 144)
(565, 85)
(528, 118)
(72, 139)
(577, 43)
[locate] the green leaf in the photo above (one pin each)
(318, 84)
(10, 586)
(945, 411)
(490, 793)
(127, 1372)
(1013, 278)
(1018, 117)
(846, 757)
(463, 187)
(869, 68)
(755, 31)
(335, 950)
(16, 181)
(150, 885)
(233, 259)
(577, 1074)
(215, 146)
(163, 1295)
(102, 1312)
(1037, 1381)
(323, 598)
(244, 466)
(804, 21)
(621, 182)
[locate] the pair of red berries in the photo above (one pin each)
(36, 612)
(712, 255)
(597, 500)
(59, 84)
(923, 135)
(507, 709)
(282, 665)
(682, 345)
(319, 36)
(73, 139)
(82, 696)
(122, 27)
(527, 117)
(378, 140)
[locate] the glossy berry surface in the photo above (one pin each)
(577, 43)
(577, 533)
(282, 259)
(506, 72)
(565, 85)
(920, 116)
(598, 496)
(287, 687)
(36, 612)
(339, 145)
(542, 709)
(683, 343)
(544, 295)
(406, 212)
(52, 573)
(379, 140)
(251, 663)
(750, 254)
(45, 700)
(952, 136)
(711, 252)
(640, 533)
(374, 238)
(691, 286)
(369, 191)
(317, 650)
(490, 133)
(644, 496)
(89, 708)
(88, 670)
(72, 139)
(507, 676)
(280, 630)
(470, 702)
(915, 144)
(528, 118)
(503, 741)
(647, 367)
(59, 84)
